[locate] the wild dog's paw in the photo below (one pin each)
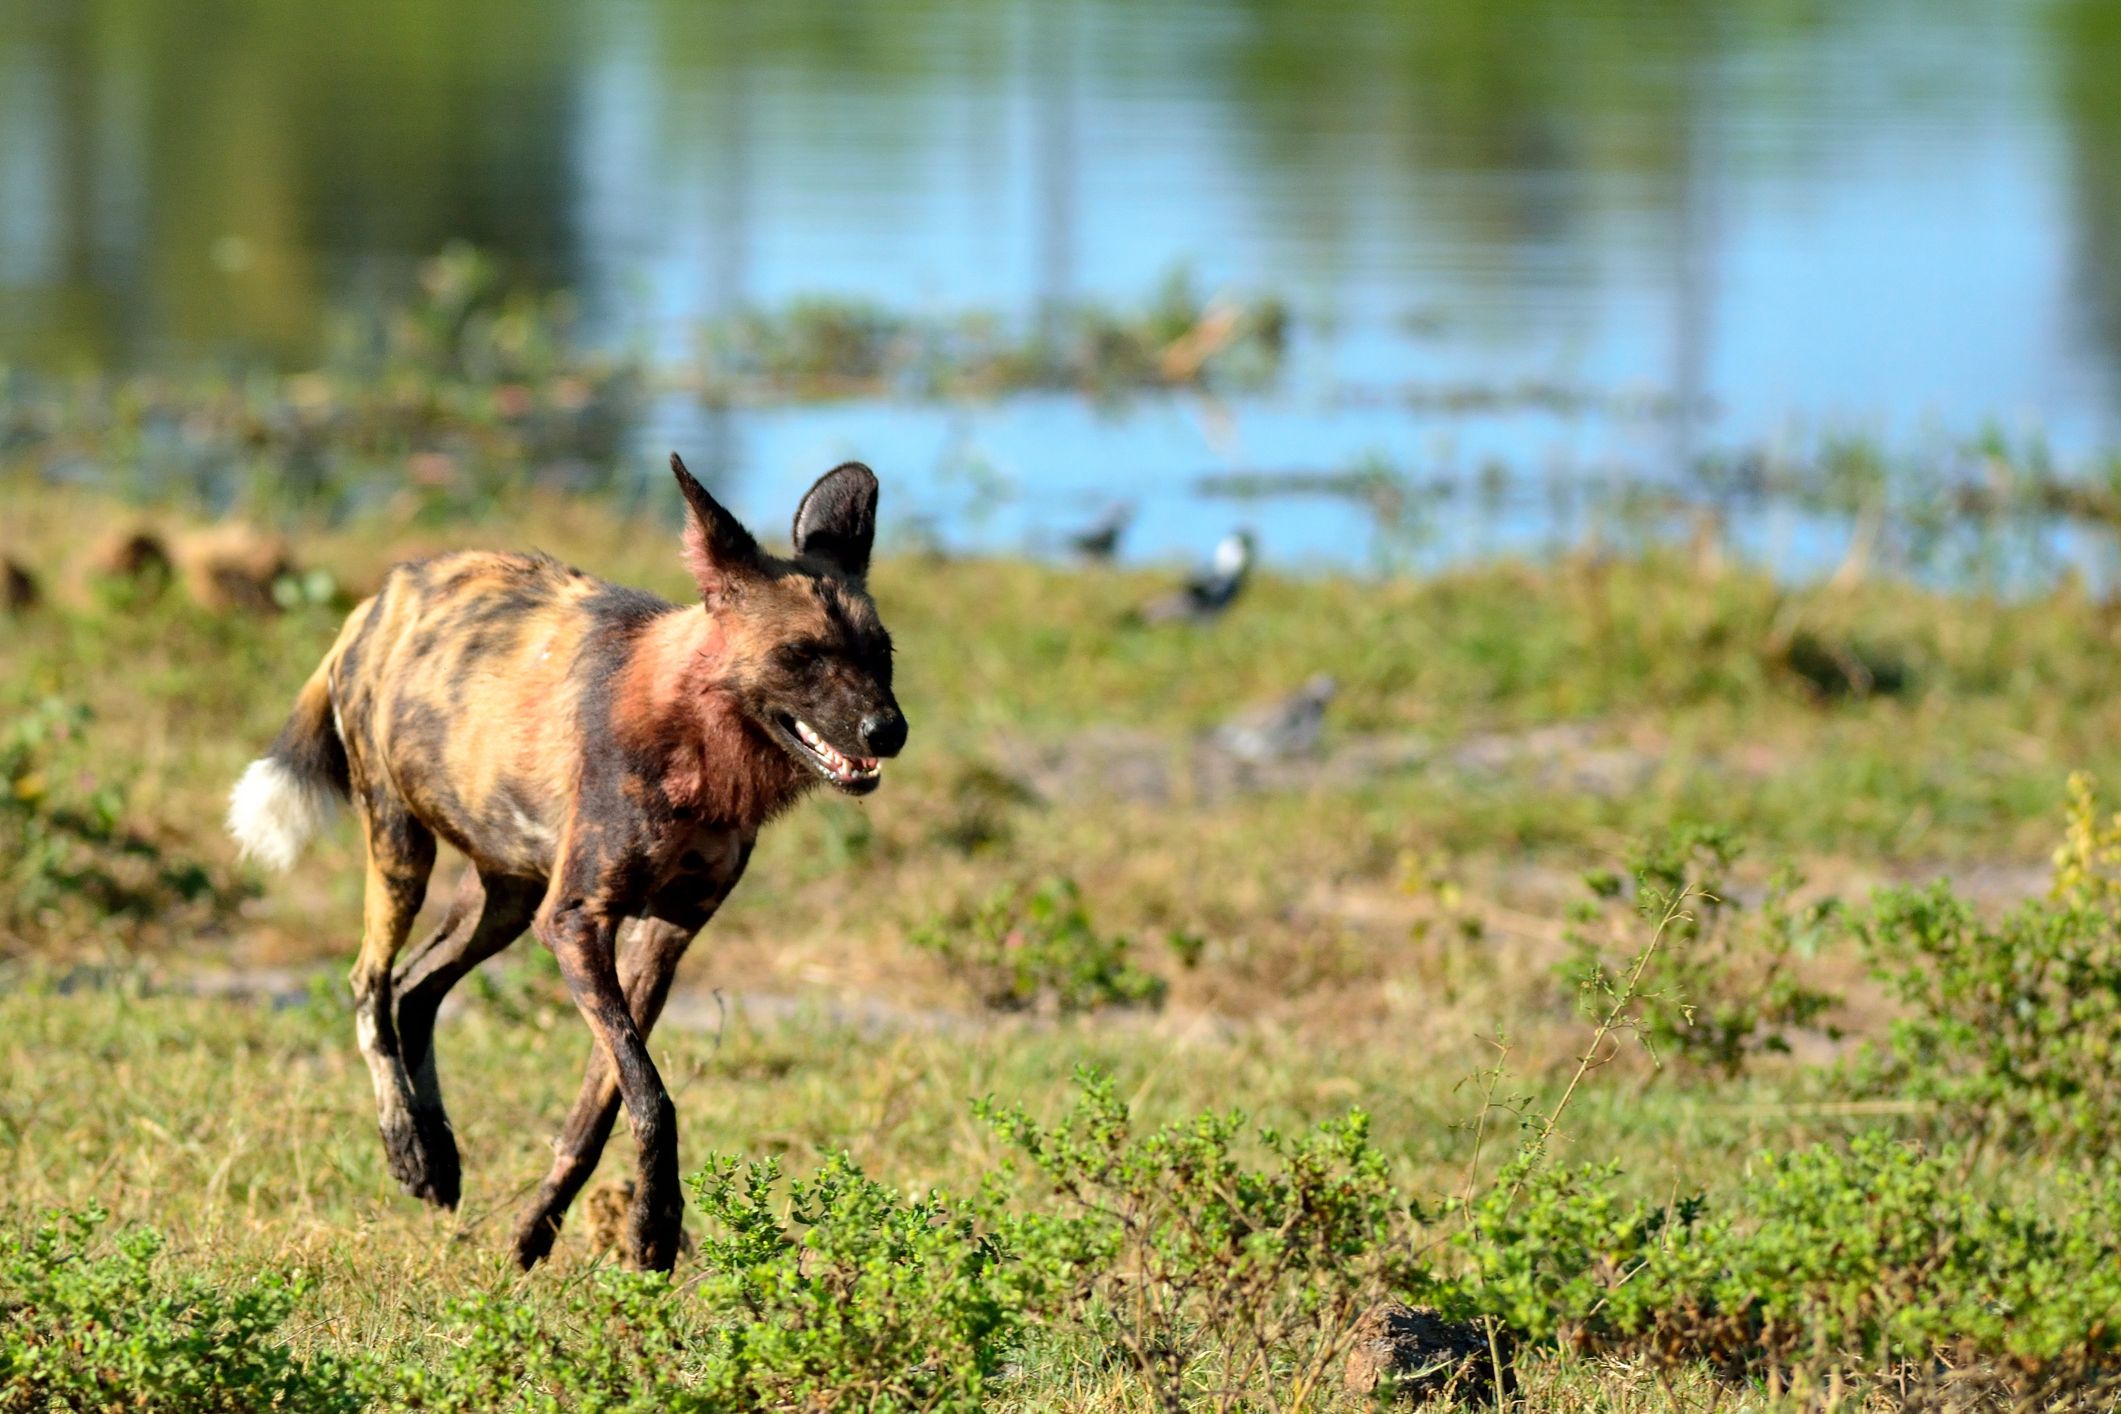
(423, 1157)
(655, 1230)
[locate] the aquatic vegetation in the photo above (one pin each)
(473, 385)
(469, 387)
(821, 348)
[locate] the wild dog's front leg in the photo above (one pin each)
(582, 933)
(646, 965)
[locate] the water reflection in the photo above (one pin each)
(1895, 215)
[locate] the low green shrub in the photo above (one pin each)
(842, 1293)
(1036, 949)
(613, 1343)
(1725, 985)
(2012, 1029)
(1209, 1273)
(852, 1293)
(90, 1324)
(1874, 1260)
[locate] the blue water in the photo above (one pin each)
(1900, 219)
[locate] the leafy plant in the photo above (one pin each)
(1036, 948)
(614, 1343)
(1727, 985)
(1872, 1262)
(850, 1292)
(2012, 1030)
(88, 1325)
(843, 1293)
(1861, 1261)
(69, 861)
(1208, 1272)
(2088, 861)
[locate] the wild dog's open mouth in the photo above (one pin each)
(854, 774)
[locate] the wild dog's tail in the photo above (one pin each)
(293, 791)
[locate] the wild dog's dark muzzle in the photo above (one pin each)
(883, 733)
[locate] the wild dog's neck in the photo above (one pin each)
(677, 700)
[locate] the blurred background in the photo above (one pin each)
(1507, 258)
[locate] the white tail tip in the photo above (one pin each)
(272, 812)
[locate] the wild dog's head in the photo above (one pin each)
(804, 655)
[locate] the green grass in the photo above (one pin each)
(245, 1136)
(1374, 929)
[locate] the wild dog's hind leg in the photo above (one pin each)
(401, 855)
(646, 965)
(486, 915)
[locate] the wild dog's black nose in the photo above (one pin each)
(883, 732)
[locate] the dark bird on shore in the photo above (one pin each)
(1277, 731)
(1099, 541)
(1208, 593)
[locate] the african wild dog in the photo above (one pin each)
(601, 757)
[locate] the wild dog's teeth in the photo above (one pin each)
(842, 766)
(815, 742)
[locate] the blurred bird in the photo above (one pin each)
(1276, 731)
(18, 587)
(1207, 594)
(1099, 540)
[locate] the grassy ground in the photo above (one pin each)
(1358, 929)
(247, 1136)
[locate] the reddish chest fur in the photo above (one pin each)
(674, 708)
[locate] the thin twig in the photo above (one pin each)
(1624, 998)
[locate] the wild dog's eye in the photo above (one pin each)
(798, 657)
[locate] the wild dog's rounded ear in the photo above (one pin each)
(837, 521)
(719, 551)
